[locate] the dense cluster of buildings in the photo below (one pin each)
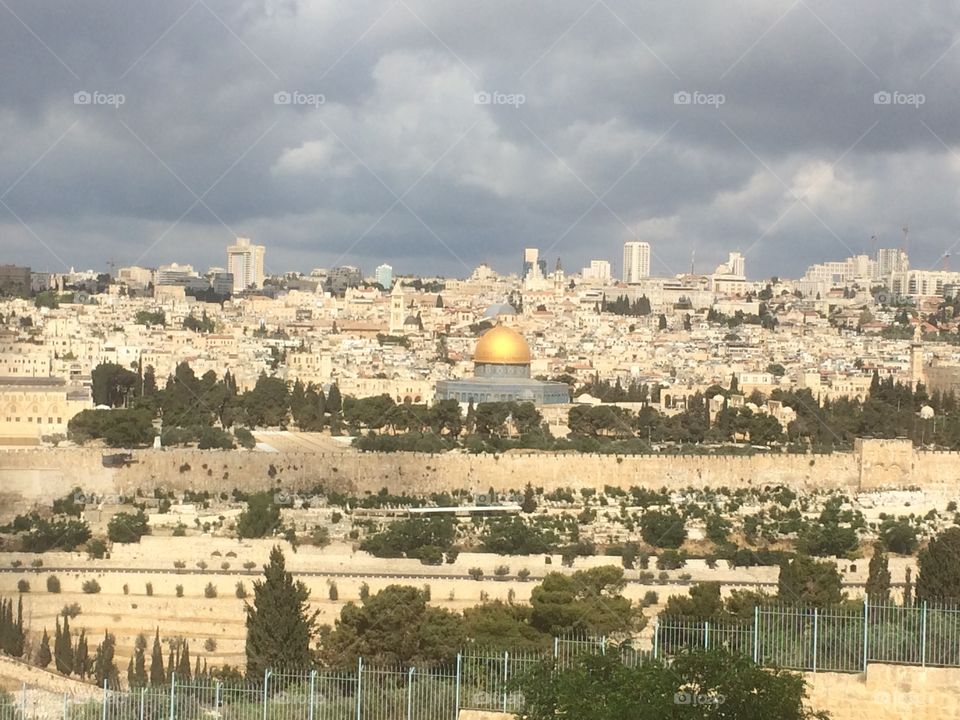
(422, 339)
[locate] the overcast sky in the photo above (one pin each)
(438, 135)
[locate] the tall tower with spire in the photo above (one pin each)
(396, 309)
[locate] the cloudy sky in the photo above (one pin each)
(436, 135)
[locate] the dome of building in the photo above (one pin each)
(498, 309)
(501, 345)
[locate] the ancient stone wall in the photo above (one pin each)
(38, 474)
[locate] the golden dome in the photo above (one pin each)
(501, 345)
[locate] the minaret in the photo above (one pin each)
(396, 309)
(917, 373)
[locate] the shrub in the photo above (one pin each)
(333, 593)
(224, 566)
(96, 549)
(663, 576)
(179, 564)
(650, 597)
(364, 591)
(202, 564)
(210, 591)
(23, 586)
(663, 529)
(126, 589)
(16, 563)
(91, 586)
(501, 572)
(149, 589)
(451, 555)
(53, 584)
(249, 565)
(241, 591)
(671, 560)
(71, 610)
(180, 530)
(179, 590)
(476, 573)
(36, 563)
(210, 645)
(523, 574)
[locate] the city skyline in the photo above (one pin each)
(321, 146)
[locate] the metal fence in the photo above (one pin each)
(844, 638)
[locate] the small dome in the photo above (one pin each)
(926, 412)
(501, 345)
(498, 309)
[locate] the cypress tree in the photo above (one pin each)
(43, 654)
(183, 664)
(81, 656)
(280, 625)
(104, 668)
(139, 662)
(63, 647)
(157, 675)
(878, 580)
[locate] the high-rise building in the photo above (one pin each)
(245, 263)
(636, 261)
(531, 260)
(735, 266)
(891, 260)
(384, 275)
(599, 271)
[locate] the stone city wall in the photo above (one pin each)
(39, 474)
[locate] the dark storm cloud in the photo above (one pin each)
(801, 161)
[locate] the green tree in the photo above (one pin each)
(529, 504)
(803, 579)
(280, 625)
(938, 576)
(589, 601)
(104, 667)
(44, 655)
(113, 385)
(157, 674)
(878, 579)
(261, 518)
(63, 647)
(395, 626)
(602, 687)
(663, 529)
(128, 527)
(139, 675)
